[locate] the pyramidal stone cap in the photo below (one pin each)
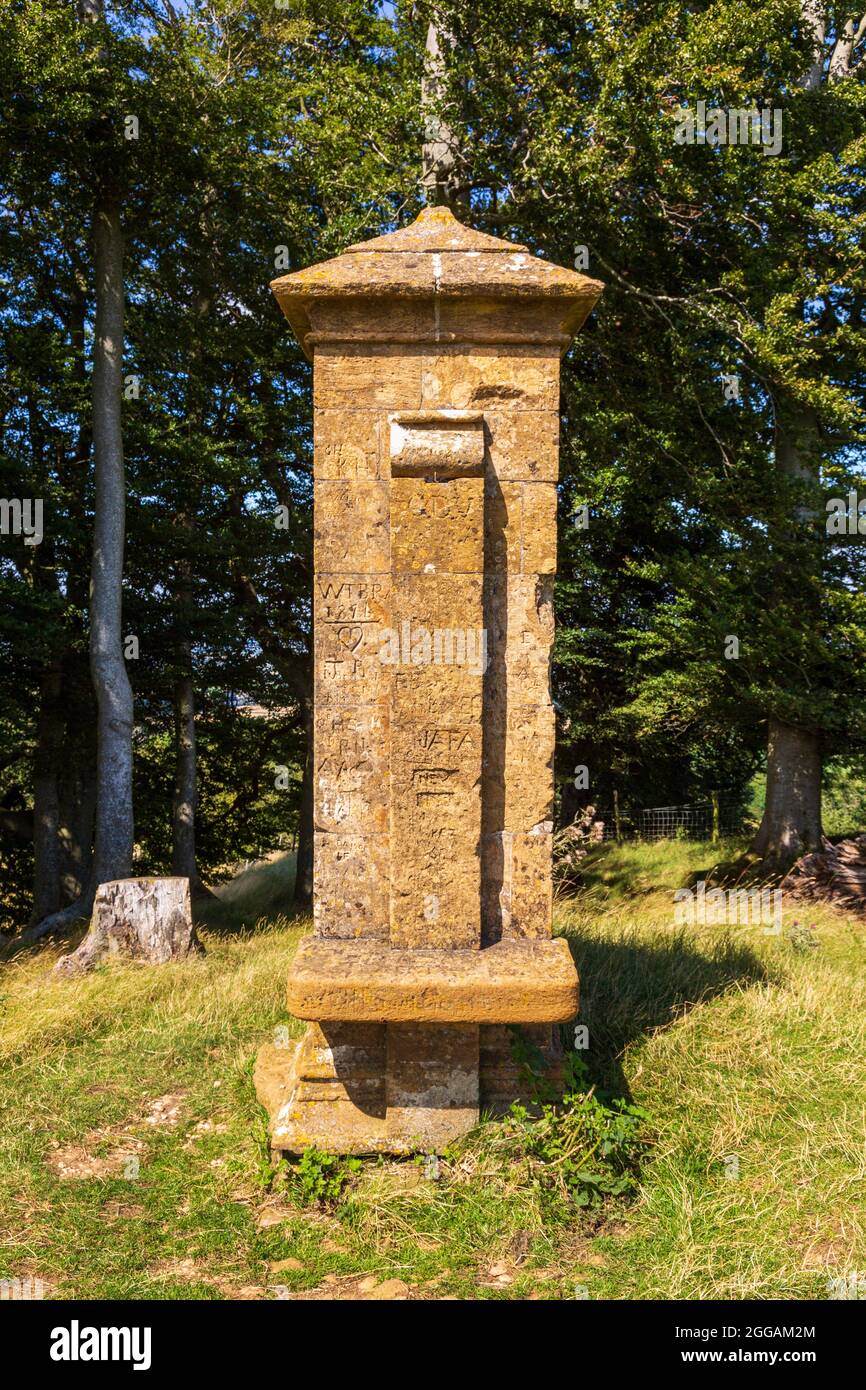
(436, 257)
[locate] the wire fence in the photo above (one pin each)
(704, 820)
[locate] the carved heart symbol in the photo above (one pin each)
(350, 637)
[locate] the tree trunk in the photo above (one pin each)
(303, 896)
(185, 799)
(77, 815)
(78, 774)
(183, 861)
(439, 152)
(144, 919)
(114, 824)
(814, 24)
(46, 796)
(791, 823)
(78, 780)
(183, 804)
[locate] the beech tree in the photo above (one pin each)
(724, 263)
(710, 408)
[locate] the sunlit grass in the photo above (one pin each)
(747, 1050)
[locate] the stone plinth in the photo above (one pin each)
(511, 982)
(436, 388)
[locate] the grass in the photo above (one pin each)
(133, 1159)
(253, 895)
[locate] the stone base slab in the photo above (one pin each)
(364, 1088)
(513, 981)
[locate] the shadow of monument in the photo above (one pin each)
(630, 990)
(360, 1058)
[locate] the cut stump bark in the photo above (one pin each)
(145, 919)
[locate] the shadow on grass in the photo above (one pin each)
(67, 941)
(748, 870)
(631, 988)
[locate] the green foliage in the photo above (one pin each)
(716, 261)
(802, 938)
(263, 133)
(844, 796)
(322, 1178)
(585, 1145)
(16, 874)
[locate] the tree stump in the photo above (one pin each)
(146, 919)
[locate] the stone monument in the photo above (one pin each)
(435, 356)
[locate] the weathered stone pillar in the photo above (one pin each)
(436, 385)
